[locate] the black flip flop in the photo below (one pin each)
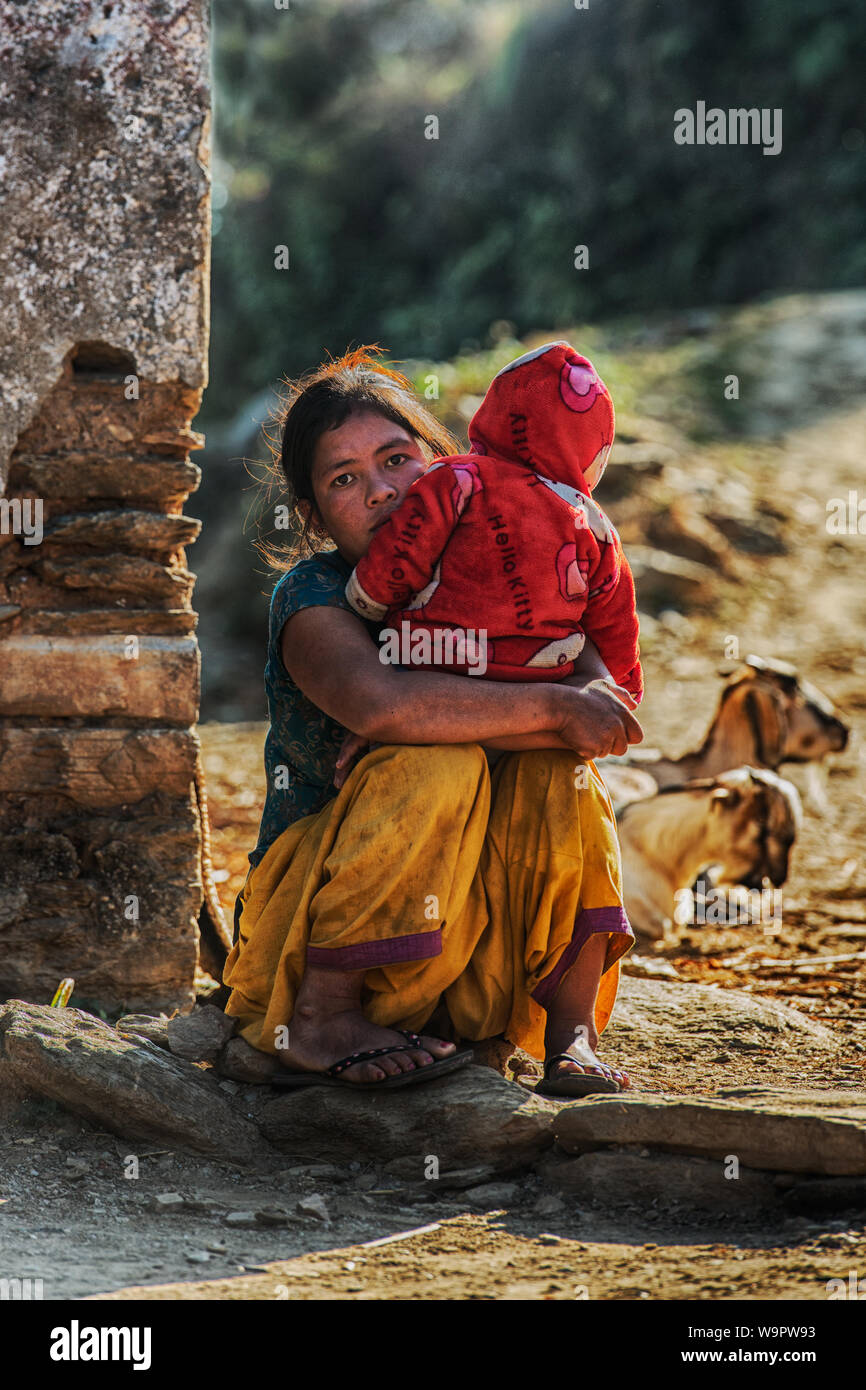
(292, 1080)
(574, 1083)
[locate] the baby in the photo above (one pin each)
(503, 548)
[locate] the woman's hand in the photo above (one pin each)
(352, 745)
(596, 720)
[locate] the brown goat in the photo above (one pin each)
(766, 715)
(742, 822)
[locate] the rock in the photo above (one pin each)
(663, 580)
(198, 1257)
(494, 1194)
(151, 1026)
(825, 1194)
(272, 1216)
(240, 1062)
(495, 1053)
(559, 1173)
(621, 1179)
(201, 1035)
(414, 1169)
(680, 1020)
(314, 1206)
(506, 1058)
(631, 465)
(784, 1131)
(681, 530)
(318, 1172)
(473, 1116)
(646, 968)
(758, 535)
(548, 1204)
(240, 1218)
(130, 1089)
(168, 1201)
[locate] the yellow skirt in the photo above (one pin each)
(441, 880)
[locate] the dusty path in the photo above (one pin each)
(504, 1256)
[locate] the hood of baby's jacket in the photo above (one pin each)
(550, 410)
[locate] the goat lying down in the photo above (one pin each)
(767, 715)
(743, 822)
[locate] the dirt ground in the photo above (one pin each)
(69, 1215)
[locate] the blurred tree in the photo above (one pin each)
(555, 129)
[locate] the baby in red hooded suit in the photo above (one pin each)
(503, 551)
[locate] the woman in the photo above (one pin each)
(426, 879)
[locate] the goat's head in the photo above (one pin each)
(759, 816)
(789, 719)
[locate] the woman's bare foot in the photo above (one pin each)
(328, 1025)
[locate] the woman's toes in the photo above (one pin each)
(437, 1048)
(570, 1066)
(400, 1061)
(364, 1072)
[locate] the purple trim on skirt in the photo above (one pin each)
(367, 954)
(587, 923)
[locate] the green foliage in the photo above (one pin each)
(556, 129)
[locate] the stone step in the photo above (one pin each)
(767, 1128)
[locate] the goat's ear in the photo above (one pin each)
(725, 798)
(763, 707)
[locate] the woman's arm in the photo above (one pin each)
(331, 658)
(588, 667)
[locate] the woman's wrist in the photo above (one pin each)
(559, 700)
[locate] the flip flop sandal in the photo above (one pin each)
(332, 1076)
(574, 1083)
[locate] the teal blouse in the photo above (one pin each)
(302, 743)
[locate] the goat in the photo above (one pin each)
(744, 822)
(766, 715)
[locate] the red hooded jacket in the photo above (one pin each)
(505, 545)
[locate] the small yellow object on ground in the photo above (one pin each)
(63, 994)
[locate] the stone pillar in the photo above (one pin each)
(103, 358)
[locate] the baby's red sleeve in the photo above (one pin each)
(610, 617)
(406, 549)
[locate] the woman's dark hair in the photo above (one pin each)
(324, 399)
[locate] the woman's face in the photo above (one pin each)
(361, 473)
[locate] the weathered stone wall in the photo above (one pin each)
(104, 285)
